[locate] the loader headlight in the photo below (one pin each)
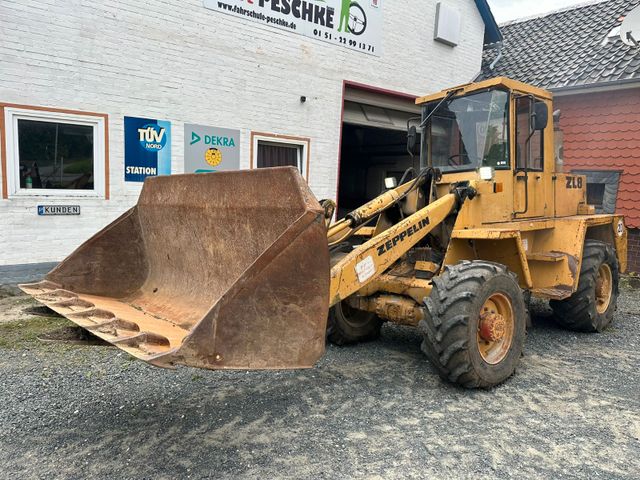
(390, 182)
(486, 173)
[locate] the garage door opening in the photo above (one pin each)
(369, 155)
(374, 145)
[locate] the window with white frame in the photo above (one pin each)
(54, 153)
(280, 151)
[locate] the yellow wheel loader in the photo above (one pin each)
(241, 270)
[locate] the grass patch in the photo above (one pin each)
(629, 282)
(24, 300)
(6, 292)
(24, 333)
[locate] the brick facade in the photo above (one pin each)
(633, 250)
(175, 60)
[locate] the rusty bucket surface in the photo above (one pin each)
(222, 270)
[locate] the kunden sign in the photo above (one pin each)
(353, 24)
(44, 210)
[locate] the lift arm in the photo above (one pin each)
(371, 259)
(345, 227)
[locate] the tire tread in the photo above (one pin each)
(578, 312)
(445, 342)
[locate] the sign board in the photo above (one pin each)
(58, 210)
(210, 149)
(347, 23)
(147, 148)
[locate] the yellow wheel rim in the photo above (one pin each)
(496, 326)
(604, 288)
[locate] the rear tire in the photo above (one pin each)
(469, 303)
(348, 325)
(591, 307)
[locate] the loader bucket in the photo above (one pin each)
(223, 270)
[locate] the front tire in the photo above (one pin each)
(475, 324)
(591, 307)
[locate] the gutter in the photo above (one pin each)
(611, 85)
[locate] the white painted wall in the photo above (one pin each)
(177, 61)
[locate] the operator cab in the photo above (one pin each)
(497, 130)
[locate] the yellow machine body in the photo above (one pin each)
(542, 246)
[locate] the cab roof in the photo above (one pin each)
(512, 85)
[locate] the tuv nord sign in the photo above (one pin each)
(147, 148)
(354, 24)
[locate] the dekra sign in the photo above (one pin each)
(213, 140)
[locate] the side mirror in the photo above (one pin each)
(412, 139)
(540, 116)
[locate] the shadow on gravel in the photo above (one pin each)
(73, 335)
(41, 311)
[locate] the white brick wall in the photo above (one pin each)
(177, 61)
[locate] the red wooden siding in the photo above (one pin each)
(602, 132)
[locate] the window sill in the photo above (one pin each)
(57, 194)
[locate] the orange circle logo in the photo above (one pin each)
(213, 157)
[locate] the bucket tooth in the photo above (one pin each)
(55, 296)
(39, 288)
(74, 305)
(147, 342)
(116, 328)
(92, 317)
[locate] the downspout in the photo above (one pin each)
(497, 59)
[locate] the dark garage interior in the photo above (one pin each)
(368, 156)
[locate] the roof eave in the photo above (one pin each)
(492, 33)
(610, 85)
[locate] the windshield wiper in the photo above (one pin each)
(446, 98)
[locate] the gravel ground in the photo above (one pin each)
(376, 411)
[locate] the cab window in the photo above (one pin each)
(528, 142)
(470, 132)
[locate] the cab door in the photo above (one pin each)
(529, 188)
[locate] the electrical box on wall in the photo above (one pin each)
(447, 29)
